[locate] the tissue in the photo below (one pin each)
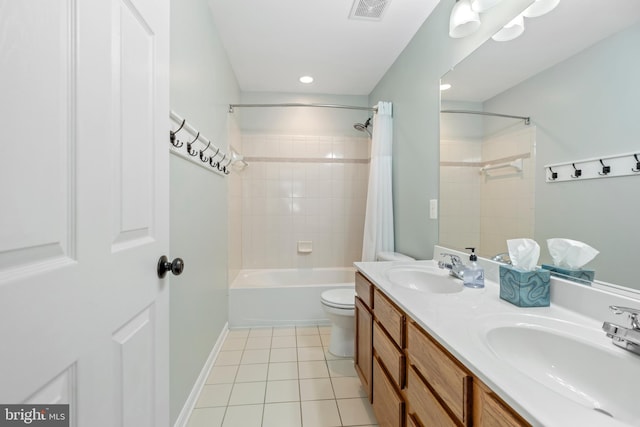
(570, 254)
(524, 253)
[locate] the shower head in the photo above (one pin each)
(363, 127)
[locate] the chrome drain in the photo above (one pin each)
(602, 411)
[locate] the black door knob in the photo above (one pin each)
(176, 266)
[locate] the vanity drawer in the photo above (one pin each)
(388, 406)
(390, 355)
(389, 317)
(364, 290)
(444, 375)
(423, 405)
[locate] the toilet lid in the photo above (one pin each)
(339, 298)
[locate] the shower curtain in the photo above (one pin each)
(378, 222)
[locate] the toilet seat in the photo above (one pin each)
(339, 298)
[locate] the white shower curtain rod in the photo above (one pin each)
(348, 107)
(527, 120)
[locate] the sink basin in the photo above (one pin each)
(424, 279)
(577, 362)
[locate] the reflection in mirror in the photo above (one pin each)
(574, 72)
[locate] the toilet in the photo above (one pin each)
(339, 306)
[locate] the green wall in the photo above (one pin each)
(202, 86)
(412, 84)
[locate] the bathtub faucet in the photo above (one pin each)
(456, 267)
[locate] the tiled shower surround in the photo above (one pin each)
(303, 188)
(486, 210)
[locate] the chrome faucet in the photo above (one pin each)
(502, 258)
(627, 338)
(456, 267)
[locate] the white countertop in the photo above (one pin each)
(456, 321)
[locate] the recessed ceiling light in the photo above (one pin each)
(306, 79)
(445, 86)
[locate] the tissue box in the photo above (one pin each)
(579, 275)
(525, 288)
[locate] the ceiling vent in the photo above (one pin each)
(370, 10)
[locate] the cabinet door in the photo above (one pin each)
(364, 346)
(388, 406)
(490, 411)
(423, 405)
(443, 373)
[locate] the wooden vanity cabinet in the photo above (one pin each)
(388, 361)
(411, 379)
(363, 357)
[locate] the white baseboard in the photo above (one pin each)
(185, 413)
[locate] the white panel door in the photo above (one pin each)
(84, 208)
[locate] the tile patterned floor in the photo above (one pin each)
(281, 377)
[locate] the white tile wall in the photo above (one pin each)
(234, 241)
(482, 211)
(460, 194)
(303, 188)
(507, 209)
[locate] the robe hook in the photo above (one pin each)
(224, 156)
(577, 172)
(189, 144)
(172, 136)
(225, 169)
(554, 175)
(204, 158)
(212, 158)
(606, 170)
(637, 168)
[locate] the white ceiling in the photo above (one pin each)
(271, 44)
(573, 26)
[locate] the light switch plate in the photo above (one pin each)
(433, 209)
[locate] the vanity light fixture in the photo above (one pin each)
(512, 30)
(515, 28)
(481, 6)
(464, 20)
(306, 79)
(540, 7)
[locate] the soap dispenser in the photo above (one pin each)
(473, 274)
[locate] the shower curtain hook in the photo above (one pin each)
(189, 144)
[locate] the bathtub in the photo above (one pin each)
(279, 297)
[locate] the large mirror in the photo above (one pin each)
(576, 73)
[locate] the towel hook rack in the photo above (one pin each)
(211, 157)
